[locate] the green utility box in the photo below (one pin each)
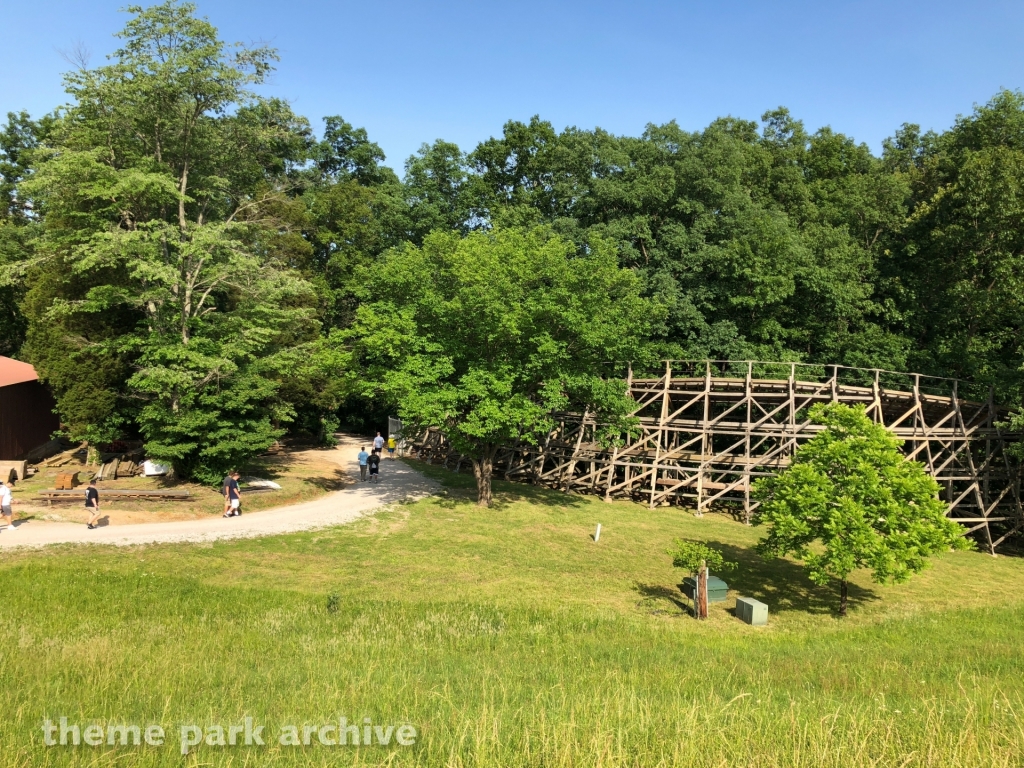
(716, 589)
(752, 611)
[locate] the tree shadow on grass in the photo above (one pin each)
(780, 584)
(334, 481)
(536, 494)
(460, 488)
(273, 467)
(653, 594)
(783, 585)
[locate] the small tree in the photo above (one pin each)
(693, 555)
(697, 558)
(487, 336)
(849, 500)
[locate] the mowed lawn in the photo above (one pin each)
(507, 637)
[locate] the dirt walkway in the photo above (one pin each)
(398, 482)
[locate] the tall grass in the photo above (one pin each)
(508, 638)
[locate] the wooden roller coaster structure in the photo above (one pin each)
(708, 430)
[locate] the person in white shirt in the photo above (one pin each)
(378, 443)
(5, 504)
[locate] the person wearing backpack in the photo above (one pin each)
(374, 462)
(363, 457)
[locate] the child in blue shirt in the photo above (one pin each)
(363, 457)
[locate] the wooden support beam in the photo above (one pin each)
(706, 435)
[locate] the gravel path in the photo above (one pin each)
(398, 482)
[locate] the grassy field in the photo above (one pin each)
(303, 474)
(507, 637)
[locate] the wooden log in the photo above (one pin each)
(138, 493)
(112, 496)
(67, 481)
(13, 470)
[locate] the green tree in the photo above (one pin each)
(346, 152)
(955, 269)
(486, 337)
(15, 250)
(760, 244)
(691, 556)
(849, 499)
(18, 138)
(354, 207)
(170, 241)
(438, 190)
(698, 558)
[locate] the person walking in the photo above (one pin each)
(6, 499)
(363, 456)
(233, 496)
(92, 504)
(374, 462)
(224, 492)
(392, 444)
(378, 443)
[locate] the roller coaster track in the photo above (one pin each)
(710, 429)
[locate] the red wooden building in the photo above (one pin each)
(27, 419)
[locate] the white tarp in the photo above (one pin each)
(255, 482)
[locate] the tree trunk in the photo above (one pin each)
(182, 221)
(483, 470)
(842, 597)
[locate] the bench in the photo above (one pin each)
(109, 495)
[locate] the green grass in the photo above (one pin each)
(509, 638)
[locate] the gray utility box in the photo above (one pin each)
(716, 589)
(752, 611)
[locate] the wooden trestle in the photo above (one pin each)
(708, 430)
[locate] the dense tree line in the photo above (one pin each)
(183, 259)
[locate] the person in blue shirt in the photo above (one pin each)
(363, 457)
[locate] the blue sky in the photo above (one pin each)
(413, 72)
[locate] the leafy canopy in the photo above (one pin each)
(692, 555)
(168, 205)
(164, 271)
(850, 500)
(487, 337)
(19, 137)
